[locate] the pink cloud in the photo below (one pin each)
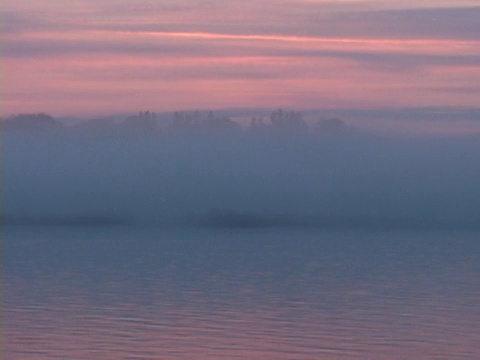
(172, 56)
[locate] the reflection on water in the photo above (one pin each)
(152, 294)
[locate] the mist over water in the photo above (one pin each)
(219, 178)
(225, 244)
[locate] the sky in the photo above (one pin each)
(85, 57)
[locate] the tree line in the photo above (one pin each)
(279, 121)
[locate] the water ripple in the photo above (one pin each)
(217, 308)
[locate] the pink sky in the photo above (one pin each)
(85, 57)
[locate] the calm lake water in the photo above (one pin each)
(130, 293)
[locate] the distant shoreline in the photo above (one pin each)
(87, 220)
(241, 220)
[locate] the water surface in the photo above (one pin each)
(132, 293)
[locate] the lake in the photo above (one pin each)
(285, 293)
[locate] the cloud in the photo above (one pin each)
(297, 50)
(440, 23)
(58, 44)
(295, 18)
(316, 19)
(14, 23)
(397, 54)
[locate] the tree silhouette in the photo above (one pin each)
(288, 121)
(143, 122)
(195, 122)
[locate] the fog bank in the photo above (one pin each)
(230, 179)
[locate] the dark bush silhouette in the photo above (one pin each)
(31, 122)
